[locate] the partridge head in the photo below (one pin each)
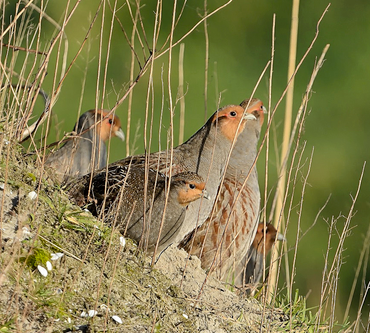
(87, 150)
(261, 246)
(109, 125)
(265, 238)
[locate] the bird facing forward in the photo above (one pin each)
(86, 151)
(205, 154)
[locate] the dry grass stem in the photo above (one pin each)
(286, 135)
(180, 94)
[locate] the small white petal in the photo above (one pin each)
(49, 266)
(32, 195)
(2, 185)
(42, 271)
(117, 319)
(57, 319)
(6, 142)
(83, 314)
(86, 210)
(92, 313)
(69, 320)
(122, 241)
(26, 231)
(56, 256)
(185, 316)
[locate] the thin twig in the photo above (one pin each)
(171, 110)
(132, 69)
(19, 48)
(365, 247)
(61, 249)
(206, 62)
(286, 135)
(181, 94)
(193, 28)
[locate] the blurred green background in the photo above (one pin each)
(239, 48)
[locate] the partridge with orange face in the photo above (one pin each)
(87, 151)
(135, 202)
(224, 239)
(252, 265)
(205, 154)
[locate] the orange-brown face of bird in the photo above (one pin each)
(255, 107)
(109, 126)
(231, 119)
(265, 236)
(191, 187)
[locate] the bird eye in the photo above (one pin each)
(110, 121)
(233, 114)
(192, 186)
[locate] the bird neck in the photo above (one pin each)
(208, 143)
(245, 152)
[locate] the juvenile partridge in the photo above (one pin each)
(234, 223)
(205, 154)
(76, 156)
(128, 193)
(252, 264)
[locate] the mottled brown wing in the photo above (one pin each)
(159, 161)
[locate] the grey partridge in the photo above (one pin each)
(233, 226)
(252, 264)
(129, 191)
(87, 151)
(205, 154)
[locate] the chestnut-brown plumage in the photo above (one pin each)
(253, 262)
(234, 223)
(87, 150)
(205, 154)
(135, 202)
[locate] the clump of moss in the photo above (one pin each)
(37, 256)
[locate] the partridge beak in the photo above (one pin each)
(264, 109)
(248, 116)
(280, 237)
(206, 195)
(119, 134)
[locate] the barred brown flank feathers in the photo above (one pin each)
(224, 239)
